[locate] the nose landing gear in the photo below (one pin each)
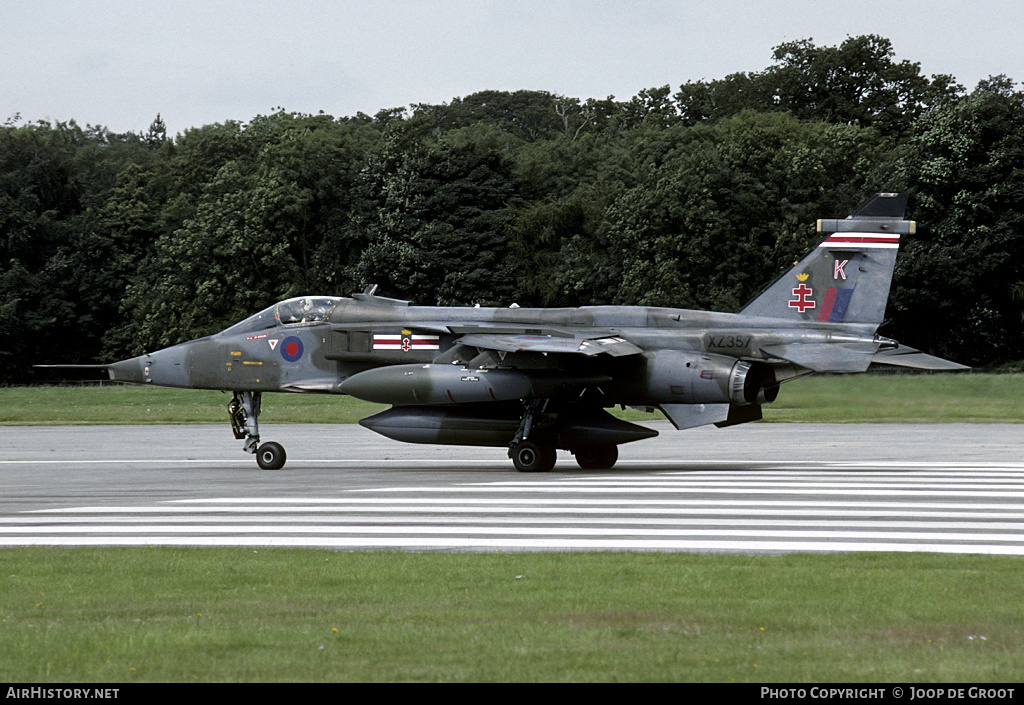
(270, 456)
(244, 410)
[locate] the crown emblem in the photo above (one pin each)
(802, 277)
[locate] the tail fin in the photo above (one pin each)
(846, 278)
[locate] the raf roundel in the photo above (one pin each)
(291, 349)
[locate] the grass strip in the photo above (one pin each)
(130, 405)
(247, 615)
(872, 398)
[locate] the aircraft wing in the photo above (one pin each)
(513, 342)
(909, 357)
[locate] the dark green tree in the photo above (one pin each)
(272, 221)
(857, 83)
(529, 115)
(721, 209)
(567, 185)
(438, 213)
(157, 134)
(965, 169)
(58, 292)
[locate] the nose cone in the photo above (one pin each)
(129, 371)
(163, 368)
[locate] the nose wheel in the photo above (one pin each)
(244, 411)
(270, 456)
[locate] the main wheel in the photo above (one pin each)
(528, 456)
(270, 456)
(597, 457)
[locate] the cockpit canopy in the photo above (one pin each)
(301, 310)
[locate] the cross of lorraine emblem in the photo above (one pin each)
(801, 302)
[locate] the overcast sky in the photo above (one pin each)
(118, 63)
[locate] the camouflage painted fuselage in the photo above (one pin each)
(497, 376)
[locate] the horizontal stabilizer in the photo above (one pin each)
(824, 357)
(909, 357)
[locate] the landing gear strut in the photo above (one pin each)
(244, 411)
(531, 455)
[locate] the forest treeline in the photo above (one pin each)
(115, 244)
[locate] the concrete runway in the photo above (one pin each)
(949, 488)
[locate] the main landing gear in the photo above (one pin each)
(531, 455)
(538, 453)
(598, 457)
(244, 410)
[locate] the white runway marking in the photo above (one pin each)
(939, 508)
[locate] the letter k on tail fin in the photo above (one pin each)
(846, 278)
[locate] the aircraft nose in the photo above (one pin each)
(129, 371)
(163, 368)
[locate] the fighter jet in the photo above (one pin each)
(537, 380)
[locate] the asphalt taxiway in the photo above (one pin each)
(761, 487)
